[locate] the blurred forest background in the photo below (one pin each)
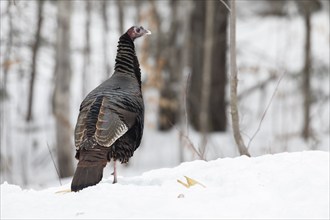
(54, 52)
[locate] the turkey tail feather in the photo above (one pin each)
(89, 170)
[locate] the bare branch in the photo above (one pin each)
(58, 173)
(225, 4)
(183, 112)
(265, 112)
(189, 143)
(252, 89)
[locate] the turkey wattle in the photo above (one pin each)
(110, 121)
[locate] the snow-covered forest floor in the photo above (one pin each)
(284, 185)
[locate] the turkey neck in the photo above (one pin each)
(126, 59)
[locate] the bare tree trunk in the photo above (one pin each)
(138, 17)
(233, 82)
(185, 73)
(106, 38)
(62, 90)
(35, 50)
(196, 55)
(7, 55)
(168, 101)
(120, 9)
(5, 149)
(306, 77)
(159, 37)
(218, 109)
(87, 49)
(206, 78)
(307, 8)
(217, 106)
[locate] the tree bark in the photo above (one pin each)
(306, 9)
(6, 154)
(217, 106)
(185, 76)
(306, 76)
(62, 90)
(35, 50)
(159, 35)
(233, 82)
(168, 101)
(120, 10)
(105, 38)
(7, 55)
(206, 75)
(217, 103)
(138, 17)
(196, 57)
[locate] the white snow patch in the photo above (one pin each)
(285, 185)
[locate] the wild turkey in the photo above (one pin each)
(110, 121)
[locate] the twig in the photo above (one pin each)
(250, 90)
(58, 173)
(187, 85)
(233, 83)
(265, 112)
(190, 144)
(225, 4)
(183, 113)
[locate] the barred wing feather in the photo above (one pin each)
(111, 125)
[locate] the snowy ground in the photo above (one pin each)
(285, 185)
(266, 45)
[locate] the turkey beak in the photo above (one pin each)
(145, 31)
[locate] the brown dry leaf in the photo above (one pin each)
(64, 191)
(190, 182)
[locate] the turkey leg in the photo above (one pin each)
(114, 172)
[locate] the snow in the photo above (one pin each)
(284, 185)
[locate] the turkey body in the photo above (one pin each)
(110, 122)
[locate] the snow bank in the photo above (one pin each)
(285, 185)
